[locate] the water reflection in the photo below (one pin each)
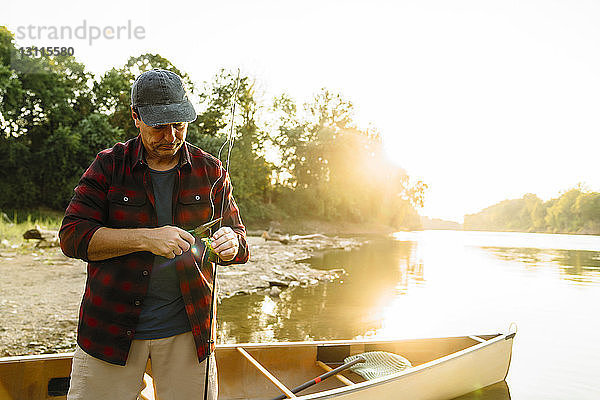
(581, 266)
(532, 257)
(344, 309)
(497, 391)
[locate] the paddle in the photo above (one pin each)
(322, 377)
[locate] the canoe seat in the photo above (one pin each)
(339, 377)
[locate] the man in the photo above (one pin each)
(148, 290)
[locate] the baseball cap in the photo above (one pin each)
(160, 98)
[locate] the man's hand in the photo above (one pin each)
(225, 243)
(168, 241)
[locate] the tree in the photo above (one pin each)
(43, 99)
(574, 211)
(560, 216)
(339, 170)
(587, 210)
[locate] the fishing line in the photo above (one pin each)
(230, 139)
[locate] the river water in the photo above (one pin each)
(447, 283)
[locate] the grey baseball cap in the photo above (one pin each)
(160, 98)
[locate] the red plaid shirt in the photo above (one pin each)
(116, 192)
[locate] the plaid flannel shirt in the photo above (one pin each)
(116, 192)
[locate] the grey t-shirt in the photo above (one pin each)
(163, 311)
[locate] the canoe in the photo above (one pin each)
(442, 368)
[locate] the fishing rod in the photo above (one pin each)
(230, 139)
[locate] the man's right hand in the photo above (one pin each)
(167, 241)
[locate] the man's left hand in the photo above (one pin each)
(225, 243)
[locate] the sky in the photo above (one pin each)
(481, 100)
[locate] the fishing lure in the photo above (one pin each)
(212, 256)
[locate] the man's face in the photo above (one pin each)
(162, 142)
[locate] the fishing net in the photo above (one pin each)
(378, 364)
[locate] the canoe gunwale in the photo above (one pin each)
(36, 357)
(232, 346)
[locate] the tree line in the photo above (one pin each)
(574, 211)
(289, 160)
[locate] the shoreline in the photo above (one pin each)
(41, 289)
(274, 266)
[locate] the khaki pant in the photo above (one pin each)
(176, 372)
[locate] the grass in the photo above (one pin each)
(23, 220)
